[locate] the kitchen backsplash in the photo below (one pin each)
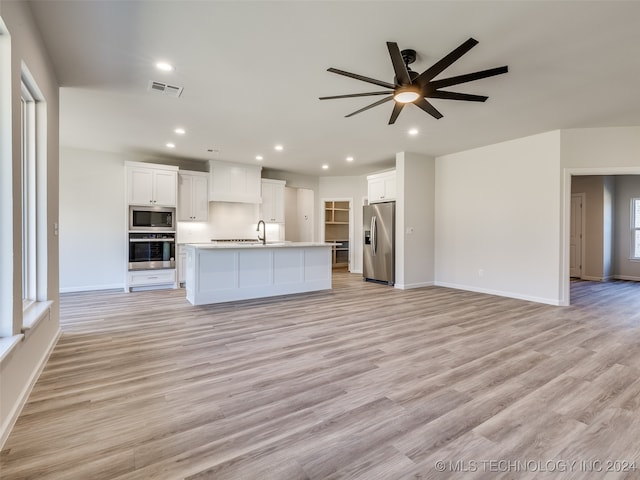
(226, 221)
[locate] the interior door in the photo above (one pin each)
(576, 236)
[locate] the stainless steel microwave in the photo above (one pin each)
(154, 219)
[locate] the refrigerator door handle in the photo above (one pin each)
(374, 236)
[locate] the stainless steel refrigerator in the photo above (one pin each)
(379, 224)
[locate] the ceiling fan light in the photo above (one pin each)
(406, 96)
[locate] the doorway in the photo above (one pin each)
(338, 225)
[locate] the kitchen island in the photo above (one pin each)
(217, 273)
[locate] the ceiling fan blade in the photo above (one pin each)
(362, 78)
(469, 77)
(427, 107)
(397, 108)
(355, 95)
(446, 61)
(375, 104)
(402, 75)
(457, 96)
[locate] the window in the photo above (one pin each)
(28, 176)
(33, 201)
(6, 188)
(27, 144)
(635, 228)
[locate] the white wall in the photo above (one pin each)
(354, 188)
(497, 222)
(92, 220)
(606, 149)
(415, 217)
(21, 367)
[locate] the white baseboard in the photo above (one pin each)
(12, 418)
(589, 278)
(500, 293)
(88, 288)
(407, 286)
(627, 277)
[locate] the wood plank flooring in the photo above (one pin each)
(360, 382)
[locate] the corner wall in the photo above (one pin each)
(92, 223)
(415, 218)
(498, 218)
(20, 368)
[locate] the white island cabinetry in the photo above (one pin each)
(223, 273)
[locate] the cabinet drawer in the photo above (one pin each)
(152, 277)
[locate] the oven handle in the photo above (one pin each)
(134, 240)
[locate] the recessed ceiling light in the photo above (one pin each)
(279, 148)
(180, 131)
(413, 131)
(171, 145)
(258, 157)
(165, 67)
(349, 159)
(325, 167)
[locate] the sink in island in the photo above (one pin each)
(217, 273)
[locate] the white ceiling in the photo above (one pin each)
(252, 73)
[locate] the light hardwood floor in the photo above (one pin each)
(364, 381)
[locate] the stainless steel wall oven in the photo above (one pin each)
(152, 250)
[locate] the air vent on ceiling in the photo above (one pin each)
(165, 89)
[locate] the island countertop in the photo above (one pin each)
(227, 271)
(225, 245)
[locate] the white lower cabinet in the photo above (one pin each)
(182, 261)
(146, 278)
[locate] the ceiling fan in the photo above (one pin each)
(412, 87)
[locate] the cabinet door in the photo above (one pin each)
(376, 190)
(165, 188)
(182, 262)
(200, 198)
(278, 203)
(231, 182)
(185, 196)
(267, 212)
(390, 187)
(272, 207)
(140, 186)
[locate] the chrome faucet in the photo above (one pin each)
(263, 239)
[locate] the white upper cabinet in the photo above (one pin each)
(272, 207)
(193, 196)
(234, 182)
(150, 184)
(382, 187)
